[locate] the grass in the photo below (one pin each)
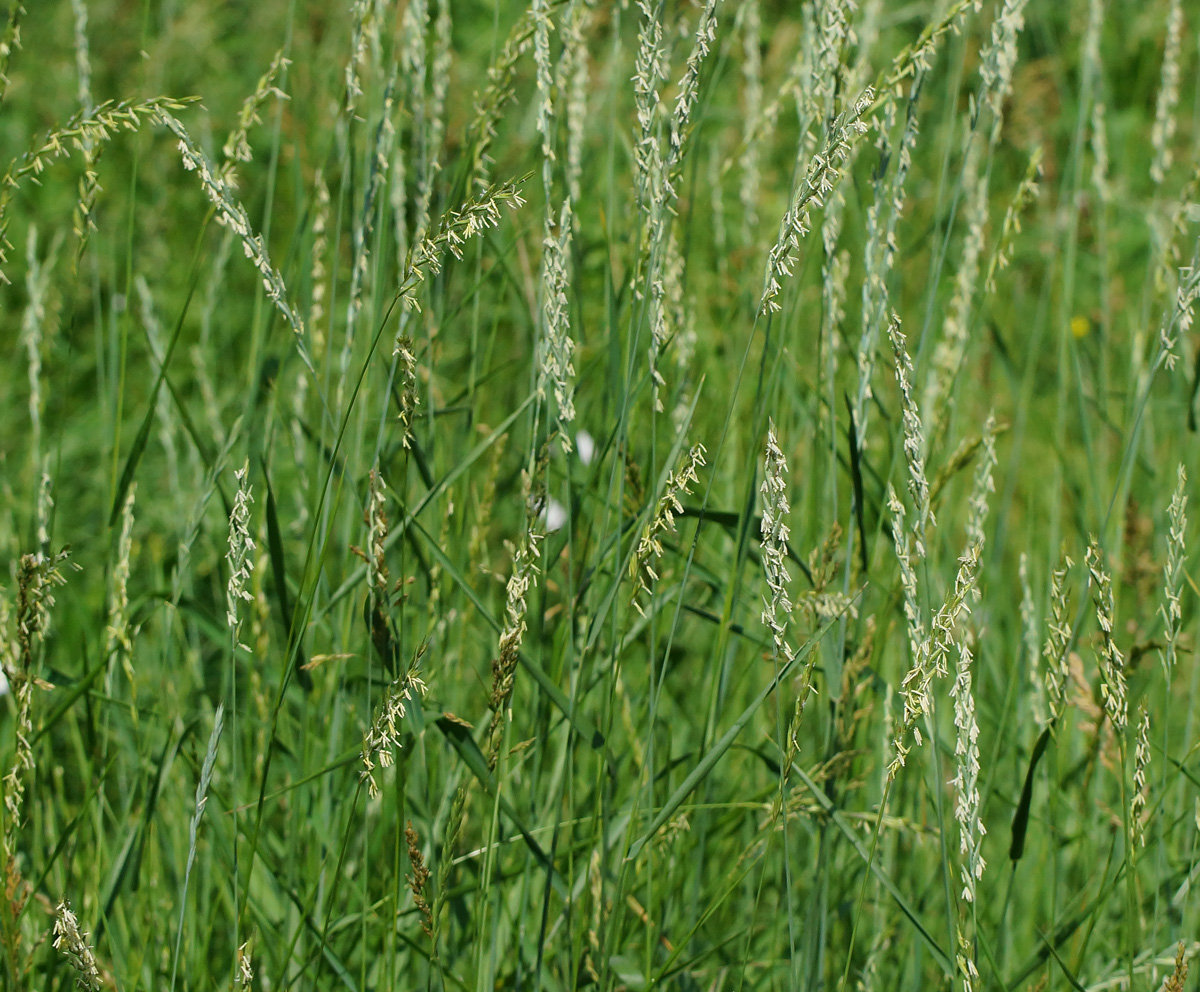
(622, 496)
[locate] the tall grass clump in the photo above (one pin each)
(682, 494)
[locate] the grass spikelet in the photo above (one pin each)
(662, 521)
(239, 555)
(1112, 664)
(558, 348)
(1057, 669)
(1171, 609)
(319, 273)
(520, 581)
(89, 185)
(1027, 190)
(1179, 318)
(1163, 130)
(778, 607)
(1141, 781)
(998, 60)
(119, 638)
(10, 43)
(457, 227)
(914, 438)
(233, 215)
(81, 132)
(573, 80)
(929, 657)
(237, 145)
(33, 327)
(410, 393)
(383, 736)
(491, 99)
(966, 776)
(245, 965)
(1029, 638)
(419, 879)
(37, 576)
(363, 31)
(1175, 981)
(74, 947)
(823, 174)
(748, 188)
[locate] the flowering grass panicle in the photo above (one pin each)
(999, 59)
(1056, 670)
(1175, 981)
(245, 965)
(823, 174)
(362, 226)
(83, 132)
(240, 553)
(496, 92)
(237, 145)
(777, 608)
(1112, 664)
(966, 777)
(457, 228)
(688, 90)
(419, 878)
(650, 69)
(558, 348)
(377, 533)
(383, 736)
(649, 545)
(83, 57)
(364, 30)
(914, 688)
(574, 82)
(1179, 318)
(37, 576)
(542, 26)
(435, 108)
(1029, 640)
(951, 348)
(232, 214)
(656, 186)
(1163, 130)
(34, 321)
(523, 578)
(982, 486)
(89, 182)
(914, 437)
(318, 272)
(1141, 781)
(879, 256)
(74, 947)
(410, 393)
(119, 638)
(752, 103)
(1171, 609)
(930, 655)
(1026, 192)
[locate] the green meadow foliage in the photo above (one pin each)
(598, 494)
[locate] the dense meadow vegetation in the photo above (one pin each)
(601, 494)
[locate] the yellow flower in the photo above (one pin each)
(1080, 326)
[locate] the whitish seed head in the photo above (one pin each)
(241, 547)
(73, 944)
(1172, 610)
(1112, 664)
